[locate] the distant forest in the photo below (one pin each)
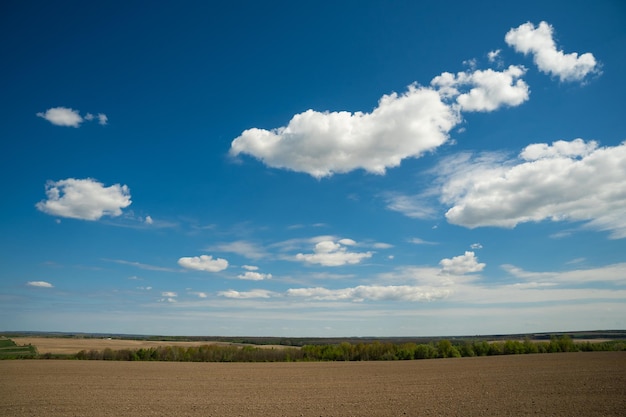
(377, 350)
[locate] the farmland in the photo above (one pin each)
(148, 349)
(561, 384)
(70, 345)
(11, 350)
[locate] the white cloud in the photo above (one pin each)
(560, 148)
(169, 294)
(462, 264)
(142, 265)
(565, 181)
(250, 267)
(198, 294)
(614, 273)
(64, 116)
(203, 263)
(416, 207)
(85, 199)
(539, 42)
(330, 253)
(324, 143)
(371, 292)
(40, 284)
(148, 220)
(254, 276)
(419, 241)
(244, 248)
(476, 246)
(493, 55)
(382, 245)
(246, 294)
(488, 89)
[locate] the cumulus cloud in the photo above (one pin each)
(330, 253)
(254, 276)
(539, 42)
(564, 181)
(487, 90)
(203, 263)
(40, 284)
(462, 264)
(324, 143)
(64, 116)
(371, 292)
(85, 199)
(410, 124)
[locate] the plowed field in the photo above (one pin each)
(567, 384)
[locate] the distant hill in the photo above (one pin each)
(301, 341)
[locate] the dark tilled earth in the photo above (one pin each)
(566, 384)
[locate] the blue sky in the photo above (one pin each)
(332, 169)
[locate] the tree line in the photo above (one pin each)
(345, 351)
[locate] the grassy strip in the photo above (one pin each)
(10, 350)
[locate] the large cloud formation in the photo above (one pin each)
(323, 143)
(402, 126)
(563, 181)
(539, 42)
(411, 124)
(85, 199)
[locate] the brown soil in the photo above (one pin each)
(74, 345)
(567, 384)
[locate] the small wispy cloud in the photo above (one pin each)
(493, 56)
(199, 294)
(246, 294)
(39, 284)
(65, 116)
(254, 276)
(416, 207)
(142, 266)
(419, 241)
